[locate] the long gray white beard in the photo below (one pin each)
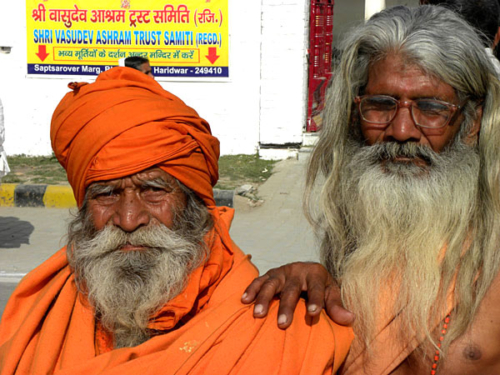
(126, 288)
(398, 218)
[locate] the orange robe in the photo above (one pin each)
(47, 327)
(119, 125)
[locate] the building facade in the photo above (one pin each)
(261, 107)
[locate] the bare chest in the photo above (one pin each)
(466, 357)
(475, 352)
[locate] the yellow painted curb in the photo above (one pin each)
(7, 195)
(59, 197)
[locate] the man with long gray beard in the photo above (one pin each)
(150, 280)
(406, 175)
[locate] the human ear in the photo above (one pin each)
(473, 135)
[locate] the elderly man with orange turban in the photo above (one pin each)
(150, 281)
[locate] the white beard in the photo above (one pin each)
(398, 218)
(126, 288)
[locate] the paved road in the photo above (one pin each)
(277, 232)
(274, 233)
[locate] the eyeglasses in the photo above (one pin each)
(426, 113)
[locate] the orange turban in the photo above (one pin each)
(124, 123)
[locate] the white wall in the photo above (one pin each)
(231, 108)
(285, 33)
(28, 103)
(264, 103)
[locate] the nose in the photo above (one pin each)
(402, 128)
(130, 213)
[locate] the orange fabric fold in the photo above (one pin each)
(48, 329)
(126, 122)
(120, 125)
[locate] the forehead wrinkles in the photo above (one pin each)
(394, 67)
(403, 61)
(395, 73)
(141, 179)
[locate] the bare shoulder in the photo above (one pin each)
(478, 350)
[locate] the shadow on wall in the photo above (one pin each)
(14, 232)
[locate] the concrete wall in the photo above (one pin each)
(263, 103)
(232, 108)
(285, 39)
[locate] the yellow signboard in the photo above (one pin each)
(85, 37)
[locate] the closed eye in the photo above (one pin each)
(106, 197)
(378, 103)
(153, 189)
(430, 106)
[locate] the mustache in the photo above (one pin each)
(154, 237)
(391, 150)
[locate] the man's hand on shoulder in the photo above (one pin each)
(288, 282)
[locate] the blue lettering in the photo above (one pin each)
(148, 37)
(42, 36)
(114, 37)
(207, 38)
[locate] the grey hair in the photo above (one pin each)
(431, 37)
(444, 46)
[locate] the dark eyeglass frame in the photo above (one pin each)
(454, 108)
